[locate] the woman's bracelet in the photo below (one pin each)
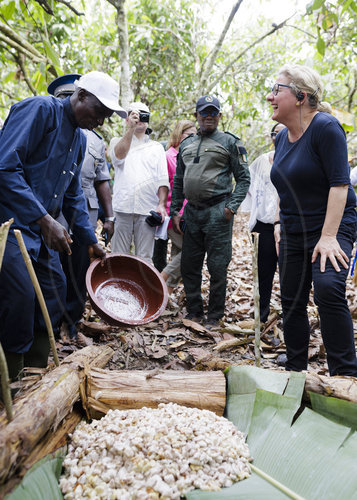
(276, 222)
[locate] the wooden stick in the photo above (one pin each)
(5, 385)
(4, 372)
(4, 231)
(256, 300)
(39, 294)
(284, 489)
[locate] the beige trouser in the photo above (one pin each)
(173, 268)
(128, 226)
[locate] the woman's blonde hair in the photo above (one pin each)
(177, 132)
(305, 79)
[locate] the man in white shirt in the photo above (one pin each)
(141, 183)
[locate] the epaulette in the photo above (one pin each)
(188, 136)
(182, 143)
(96, 133)
(230, 133)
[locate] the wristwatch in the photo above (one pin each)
(110, 219)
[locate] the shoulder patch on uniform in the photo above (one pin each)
(96, 133)
(230, 133)
(243, 152)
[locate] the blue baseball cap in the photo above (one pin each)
(207, 101)
(63, 84)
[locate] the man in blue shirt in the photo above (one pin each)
(41, 151)
(96, 188)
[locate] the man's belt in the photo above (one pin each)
(200, 205)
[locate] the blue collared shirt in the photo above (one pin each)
(41, 151)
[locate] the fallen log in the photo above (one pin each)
(103, 390)
(51, 442)
(337, 387)
(44, 407)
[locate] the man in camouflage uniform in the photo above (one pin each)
(206, 165)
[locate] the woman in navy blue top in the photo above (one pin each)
(316, 223)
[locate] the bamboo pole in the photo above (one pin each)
(256, 300)
(5, 382)
(39, 294)
(5, 385)
(43, 408)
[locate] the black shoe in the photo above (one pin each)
(197, 318)
(212, 323)
(281, 360)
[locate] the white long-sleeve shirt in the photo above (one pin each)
(262, 197)
(139, 176)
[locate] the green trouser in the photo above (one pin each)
(207, 231)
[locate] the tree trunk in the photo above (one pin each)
(126, 94)
(51, 442)
(124, 390)
(337, 387)
(44, 407)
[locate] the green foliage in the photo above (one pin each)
(169, 44)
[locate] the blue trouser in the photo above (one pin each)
(20, 312)
(75, 268)
(267, 261)
(207, 231)
(296, 275)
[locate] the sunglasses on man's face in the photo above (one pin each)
(209, 112)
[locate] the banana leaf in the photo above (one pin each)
(309, 456)
(41, 481)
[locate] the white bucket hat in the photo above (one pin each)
(104, 87)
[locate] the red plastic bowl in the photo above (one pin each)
(127, 290)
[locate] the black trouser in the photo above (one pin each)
(296, 275)
(159, 257)
(267, 260)
(207, 231)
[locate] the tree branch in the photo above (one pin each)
(47, 8)
(68, 4)
(212, 58)
(19, 48)
(21, 44)
(276, 27)
(20, 62)
(352, 92)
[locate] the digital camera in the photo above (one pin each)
(144, 117)
(154, 219)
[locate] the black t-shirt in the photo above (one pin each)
(304, 171)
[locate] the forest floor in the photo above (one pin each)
(172, 342)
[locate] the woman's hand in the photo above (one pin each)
(277, 237)
(329, 248)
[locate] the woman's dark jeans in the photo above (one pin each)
(296, 275)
